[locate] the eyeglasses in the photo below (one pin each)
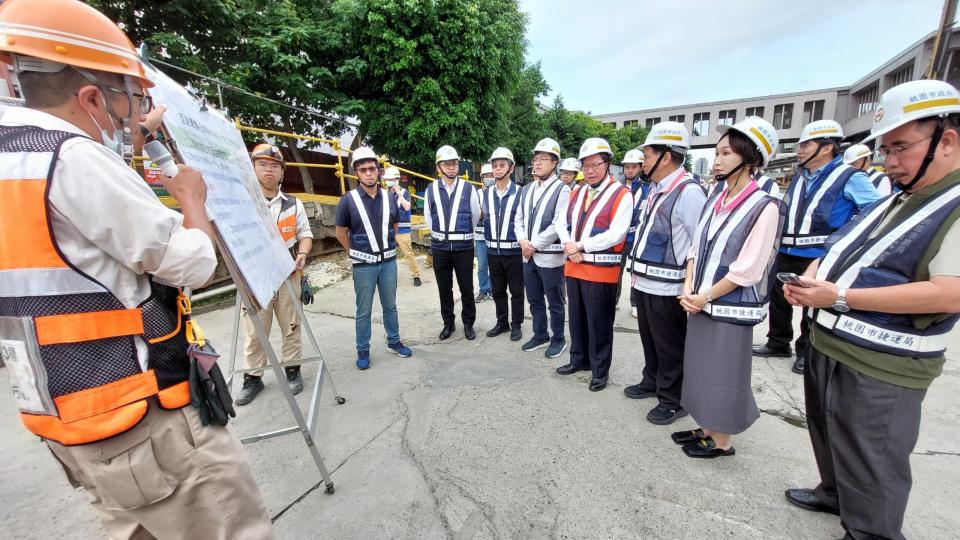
(267, 164)
(595, 167)
(366, 170)
(895, 149)
(146, 102)
(540, 161)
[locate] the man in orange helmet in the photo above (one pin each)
(91, 322)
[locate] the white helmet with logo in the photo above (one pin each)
(671, 134)
(392, 173)
(593, 146)
(486, 168)
(911, 101)
(570, 164)
(632, 156)
(856, 153)
(362, 153)
(549, 146)
(446, 153)
(821, 129)
(760, 132)
(502, 153)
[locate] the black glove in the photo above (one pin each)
(306, 291)
(209, 392)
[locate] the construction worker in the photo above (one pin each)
(597, 220)
(96, 347)
(823, 196)
(579, 179)
(500, 203)
(391, 179)
(860, 156)
(633, 178)
(886, 297)
(291, 218)
(569, 168)
(657, 262)
(452, 210)
(539, 226)
(480, 243)
(367, 222)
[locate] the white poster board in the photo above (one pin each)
(211, 143)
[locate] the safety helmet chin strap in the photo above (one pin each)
(738, 168)
(927, 159)
(820, 144)
(656, 164)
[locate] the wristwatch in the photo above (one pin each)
(840, 304)
(147, 134)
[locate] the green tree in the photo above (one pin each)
(571, 128)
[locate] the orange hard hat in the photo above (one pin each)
(68, 32)
(267, 151)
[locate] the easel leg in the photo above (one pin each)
(236, 340)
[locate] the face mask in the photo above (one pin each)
(489, 181)
(392, 183)
(115, 141)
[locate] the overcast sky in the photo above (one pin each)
(605, 56)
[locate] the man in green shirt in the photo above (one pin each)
(885, 296)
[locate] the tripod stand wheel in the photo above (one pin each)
(340, 401)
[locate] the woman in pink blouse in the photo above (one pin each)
(728, 281)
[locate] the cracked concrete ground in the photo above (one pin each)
(480, 440)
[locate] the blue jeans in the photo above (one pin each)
(540, 282)
(367, 278)
(483, 270)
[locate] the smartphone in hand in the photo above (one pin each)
(791, 278)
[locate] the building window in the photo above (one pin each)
(611, 124)
(677, 118)
(812, 111)
(727, 118)
(866, 99)
(701, 124)
(630, 123)
(900, 76)
(651, 121)
(755, 111)
(783, 116)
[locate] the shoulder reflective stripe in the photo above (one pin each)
(576, 209)
(507, 213)
(853, 236)
(719, 242)
(365, 219)
(741, 313)
(825, 187)
(79, 327)
(598, 205)
(900, 342)
(455, 206)
(25, 240)
(101, 399)
(794, 197)
(491, 212)
(44, 282)
(384, 219)
(437, 202)
(29, 165)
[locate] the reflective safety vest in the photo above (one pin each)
(720, 239)
(878, 179)
(639, 188)
(498, 221)
(892, 257)
(808, 216)
(539, 213)
(287, 220)
(652, 255)
(68, 342)
(366, 244)
(452, 222)
(478, 229)
(764, 182)
(586, 221)
(403, 226)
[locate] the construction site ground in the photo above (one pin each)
(477, 439)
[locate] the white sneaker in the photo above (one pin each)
(633, 312)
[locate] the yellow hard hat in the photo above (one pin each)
(579, 176)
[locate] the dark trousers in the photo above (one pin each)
(863, 431)
(506, 271)
(623, 264)
(663, 333)
(445, 263)
(543, 282)
(781, 312)
(591, 312)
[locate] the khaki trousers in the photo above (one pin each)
(403, 242)
(169, 477)
(282, 306)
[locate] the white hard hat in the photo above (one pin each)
(632, 156)
(364, 152)
(911, 101)
(548, 146)
(856, 153)
(595, 145)
(570, 164)
(760, 132)
(672, 134)
(502, 153)
(392, 173)
(446, 153)
(486, 168)
(821, 129)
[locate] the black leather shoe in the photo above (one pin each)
(497, 330)
(445, 333)
(663, 416)
(597, 385)
(798, 365)
(469, 333)
(768, 352)
(251, 387)
(808, 500)
(637, 391)
(570, 369)
(687, 437)
(706, 448)
(516, 333)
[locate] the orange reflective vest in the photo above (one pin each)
(68, 342)
(585, 221)
(287, 220)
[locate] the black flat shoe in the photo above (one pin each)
(768, 352)
(516, 333)
(596, 386)
(636, 391)
(497, 330)
(808, 500)
(706, 448)
(662, 416)
(687, 437)
(798, 365)
(445, 333)
(570, 369)
(469, 333)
